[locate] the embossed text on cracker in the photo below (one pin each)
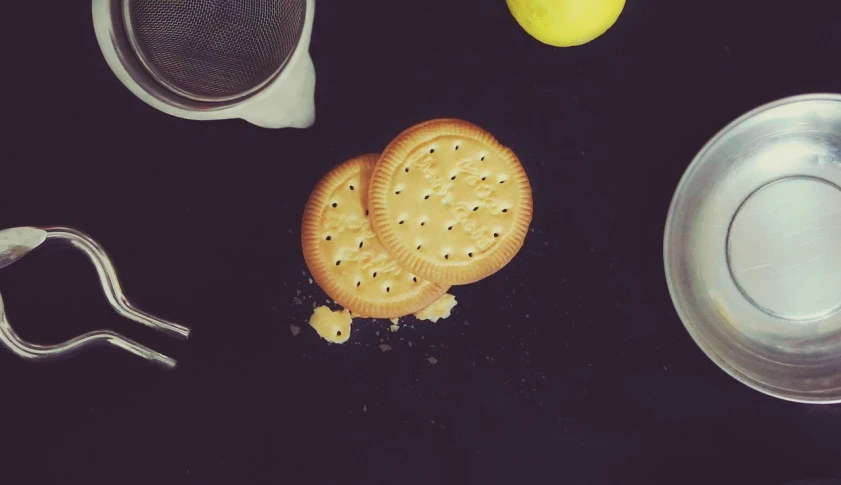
(460, 210)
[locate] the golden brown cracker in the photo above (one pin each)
(345, 257)
(450, 202)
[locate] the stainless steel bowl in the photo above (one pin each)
(753, 249)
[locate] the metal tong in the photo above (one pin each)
(16, 243)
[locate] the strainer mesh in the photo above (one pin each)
(214, 49)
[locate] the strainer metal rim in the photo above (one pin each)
(142, 58)
(124, 64)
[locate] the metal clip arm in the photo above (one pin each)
(15, 243)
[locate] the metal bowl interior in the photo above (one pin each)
(753, 249)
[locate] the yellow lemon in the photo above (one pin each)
(566, 23)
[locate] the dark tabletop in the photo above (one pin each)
(568, 366)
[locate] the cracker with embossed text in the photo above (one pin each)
(450, 202)
(345, 257)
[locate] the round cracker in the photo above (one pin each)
(450, 202)
(344, 255)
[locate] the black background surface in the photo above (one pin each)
(569, 366)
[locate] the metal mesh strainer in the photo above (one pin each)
(213, 50)
(213, 59)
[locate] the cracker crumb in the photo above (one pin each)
(385, 347)
(310, 280)
(333, 327)
(394, 327)
(365, 408)
(294, 329)
(432, 360)
(440, 309)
